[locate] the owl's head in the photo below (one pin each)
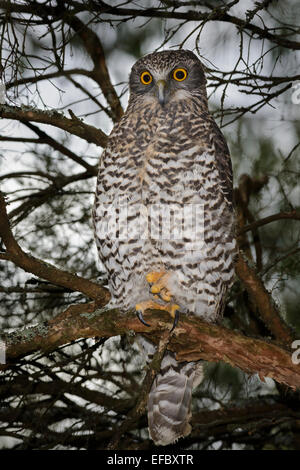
(167, 76)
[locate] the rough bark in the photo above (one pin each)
(205, 341)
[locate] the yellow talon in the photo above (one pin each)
(155, 289)
(154, 276)
(158, 280)
(166, 296)
(173, 309)
(149, 304)
(139, 307)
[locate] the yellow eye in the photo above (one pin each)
(180, 75)
(146, 78)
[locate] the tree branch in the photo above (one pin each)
(100, 72)
(100, 7)
(47, 76)
(293, 215)
(218, 14)
(75, 126)
(262, 299)
(36, 199)
(47, 139)
(45, 270)
(205, 341)
(141, 405)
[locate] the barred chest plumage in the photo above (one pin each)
(160, 169)
(159, 156)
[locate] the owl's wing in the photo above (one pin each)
(223, 162)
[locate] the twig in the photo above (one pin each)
(144, 390)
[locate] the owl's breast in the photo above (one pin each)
(156, 158)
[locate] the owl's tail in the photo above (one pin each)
(169, 402)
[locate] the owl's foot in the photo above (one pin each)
(172, 309)
(159, 281)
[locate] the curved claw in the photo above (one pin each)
(139, 314)
(176, 318)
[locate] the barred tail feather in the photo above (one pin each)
(169, 402)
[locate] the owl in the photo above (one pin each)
(163, 217)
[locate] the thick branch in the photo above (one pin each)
(205, 341)
(45, 270)
(75, 126)
(262, 299)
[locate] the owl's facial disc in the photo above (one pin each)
(162, 85)
(167, 77)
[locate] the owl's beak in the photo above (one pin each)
(161, 85)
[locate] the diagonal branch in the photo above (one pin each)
(141, 405)
(75, 126)
(100, 72)
(262, 299)
(47, 139)
(44, 270)
(293, 215)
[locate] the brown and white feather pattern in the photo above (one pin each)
(173, 154)
(169, 403)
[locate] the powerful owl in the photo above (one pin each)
(163, 216)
